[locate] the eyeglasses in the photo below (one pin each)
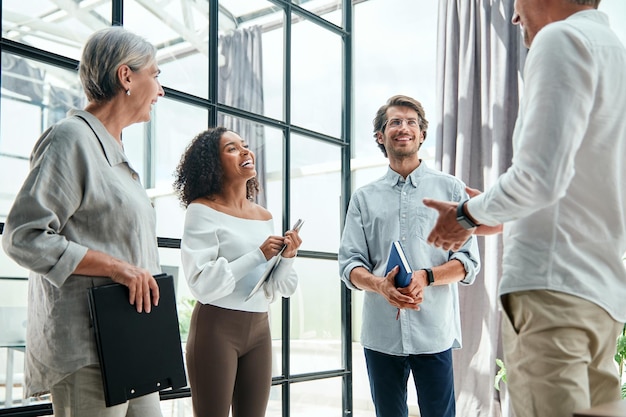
(396, 123)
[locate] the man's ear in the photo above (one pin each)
(379, 137)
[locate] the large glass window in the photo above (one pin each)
(316, 86)
(270, 70)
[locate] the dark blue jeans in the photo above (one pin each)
(433, 378)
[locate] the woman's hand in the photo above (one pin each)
(143, 288)
(272, 246)
(293, 242)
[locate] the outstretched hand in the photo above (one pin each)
(447, 233)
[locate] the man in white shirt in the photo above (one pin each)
(563, 203)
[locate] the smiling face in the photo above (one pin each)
(237, 160)
(403, 138)
(145, 89)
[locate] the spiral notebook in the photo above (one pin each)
(139, 353)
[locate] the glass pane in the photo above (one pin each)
(175, 125)
(274, 407)
(361, 397)
(316, 79)
(411, 64)
(14, 170)
(315, 192)
(180, 407)
(171, 264)
(251, 57)
(316, 317)
(273, 71)
(13, 302)
(34, 96)
(317, 398)
(616, 10)
(328, 9)
(272, 187)
(59, 27)
(180, 30)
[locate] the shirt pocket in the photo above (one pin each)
(424, 219)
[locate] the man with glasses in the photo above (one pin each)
(563, 206)
(414, 328)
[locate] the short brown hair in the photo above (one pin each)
(398, 101)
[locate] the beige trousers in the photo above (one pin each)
(558, 352)
(81, 395)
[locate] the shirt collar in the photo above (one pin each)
(591, 14)
(393, 178)
(113, 151)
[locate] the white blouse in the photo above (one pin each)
(222, 260)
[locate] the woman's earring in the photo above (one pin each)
(128, 92)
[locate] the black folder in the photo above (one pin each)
(139, 353)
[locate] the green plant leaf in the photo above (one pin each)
(501, 375)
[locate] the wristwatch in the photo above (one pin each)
(462, 218)
(429, 275)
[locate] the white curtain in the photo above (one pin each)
(479, 57)
(241, 86)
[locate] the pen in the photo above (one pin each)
(398, 314)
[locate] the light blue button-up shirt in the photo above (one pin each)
(389, 209)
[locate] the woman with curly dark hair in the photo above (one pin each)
(227, 241)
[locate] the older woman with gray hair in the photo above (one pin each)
(82, 218)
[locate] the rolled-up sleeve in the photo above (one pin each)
(353, 241)
(47, 200)
(469, 256)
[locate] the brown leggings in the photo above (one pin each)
(229, 360)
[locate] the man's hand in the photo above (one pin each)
(409, 297)
(447, 233)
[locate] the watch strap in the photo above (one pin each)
(462, 218)
(430, 276)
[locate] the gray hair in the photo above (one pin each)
(104, 52)
(594, 3)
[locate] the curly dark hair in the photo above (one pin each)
(199, 172)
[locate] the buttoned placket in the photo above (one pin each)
(404, 229)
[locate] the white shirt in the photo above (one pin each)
(564, 196)
(222, 260)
